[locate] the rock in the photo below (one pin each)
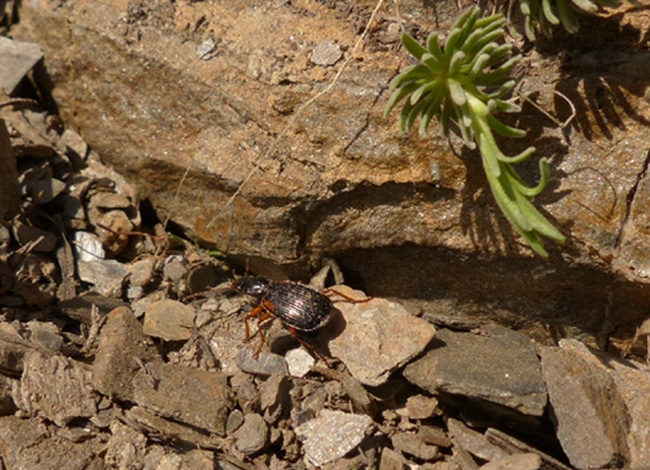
(435, 436)
(246, 392)
(515, 462)
(274, 395)
(46, 190)
(332, 435)
(169, 319)
(299, 362)
(17, 58)
(45, 335)
(7, 405)
(107, 275)
(500, 366)
(88, 246)
(39, 239)
(31, 444)
(474, 442)
(13, 350)
(252, 435)
(326, 53)
(79, 308)
(265, 364)
(591, 418)
(413, 444)
(56, 388)
(421, 407)
(121, 344)
(74, 143)
(125, 448)
(379, 337)
(235, 419)
(142, 272)
(198, 398)
(391, 460)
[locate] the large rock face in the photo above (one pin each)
(163, 88)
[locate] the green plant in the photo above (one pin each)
(465, 81)
(544, 14)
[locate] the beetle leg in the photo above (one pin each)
(265, 316)
(255, 313)
(294, 333)
(328, 292)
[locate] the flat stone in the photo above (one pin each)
(332, 435)
(264, 364)
(591, 418)
(74, 143)
(391, 460)
(414, 445)
(56, 388)
(125, 447)
(196, 397)
(515, 462)
(421, 407)
(79, 308)
(251, 437)
(169, 319)
(434, 435)
(326, 53)
(109, 200)
(88, 246)
(299, 362)
(500, 366)
(107, 275)
(39, 239)
(121, 342)
(45, 335)
(274, 396)
(30, 444)
(46, 190)
(473, 441)
(379, 337)
(17, 59)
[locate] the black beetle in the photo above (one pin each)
(298, 306)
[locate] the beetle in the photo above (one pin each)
(298, 306)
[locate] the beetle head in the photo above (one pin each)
(252, 285)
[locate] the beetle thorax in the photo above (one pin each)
(252, 285)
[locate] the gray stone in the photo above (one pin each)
(107, 275)
(515, 462)
(326, 53)
(235, 419)
(473, 441)
(590, 414)
(126, 447)
(421, 407)
(332, 435)
(121, 344)
(414, 445)
(500, 366)
(169, 319)
(141, 272)
(379, 337)
(88, 246)
(274, 395)
(17, 58)
(264, 364)
(299, 362)
(74, 143)
(391, 460)
(37, 238)
(56, 388)
(196, 397)
(45, 190)
(45, 335)
(434, 435)
(251, 437)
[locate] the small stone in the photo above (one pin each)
(252, 436)
(473, 441)
(591, 418)
(435, 436)
(121, 342)
(332, 435)
(45, 190)
(235, 419)
(108, 200)
(391, 460)
(56, 388)
(107, 275)
(421, 407)
(174, 268)
(515, 462)
(274, 394)
(116, 239)
(413, 444)
(246, 392)
(326, 53)
(88, 246)
(46, 335)
(125, 446)
(196, 397)
(169, 319)
(74, 143)
(39, 239)
(17, 58)
(379, 337)
(299, 362)
(500, 366)
(265, 364)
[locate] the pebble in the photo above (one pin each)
(55, 388)
(196, 397)
(500, 366)
(519, 461)
(45, 335)
(88, 246)
(235, 419)
(421, 407)
(299, 362)
(379, 337)
(251, 437)
(17, 58)
(265, 364)
(39, 239)
(326, 53)
(121, 342)
(169, 319)
(74, 143)
(107, 275)
(413, 444)
(274, 395)
(473, 441)
(332, 435)
(391, 460)
(592, 420)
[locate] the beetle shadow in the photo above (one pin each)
(333, 329)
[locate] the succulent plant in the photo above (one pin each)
(544, 14)
(464, 81)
